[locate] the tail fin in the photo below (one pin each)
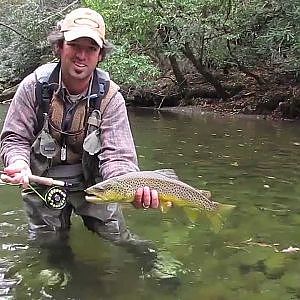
(218, 217)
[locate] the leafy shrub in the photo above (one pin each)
(130, 69)
(24, 26)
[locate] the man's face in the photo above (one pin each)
(79, 59)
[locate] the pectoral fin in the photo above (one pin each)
(165, 206)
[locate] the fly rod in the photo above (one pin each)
(48, 181)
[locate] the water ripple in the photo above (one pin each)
(11, 212)
(6, 284)
(5, 224)
(14, 247)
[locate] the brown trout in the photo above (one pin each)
(170, 191)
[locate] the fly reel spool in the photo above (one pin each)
(56, 197)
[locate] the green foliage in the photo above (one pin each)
(259, 32)
(127, 21)
(16, 50)
(24, 26)
(129, 27)
(129, 68)
(267, 31)
(147, 33)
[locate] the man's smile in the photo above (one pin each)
(79, 65)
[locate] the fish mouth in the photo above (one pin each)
(94, 191)
(94, 195)
(92, 199)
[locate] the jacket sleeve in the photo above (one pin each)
(18, 129)
(118, 154)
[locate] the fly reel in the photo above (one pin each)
(56, 197)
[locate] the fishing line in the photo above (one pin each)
(56, 193)
(34, 190)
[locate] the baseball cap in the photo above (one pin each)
(84, 22)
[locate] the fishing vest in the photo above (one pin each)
(68, 134)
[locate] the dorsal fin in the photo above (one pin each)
(170, 173)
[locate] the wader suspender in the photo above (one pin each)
(43, 96)
(43, 92)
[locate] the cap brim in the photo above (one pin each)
(72, 35)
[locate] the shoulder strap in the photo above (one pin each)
(99, 104)
(43, 91)
(96, 99)
(107, 90)
(112, 91)
(43, 95)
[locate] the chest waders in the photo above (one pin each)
(47, 159)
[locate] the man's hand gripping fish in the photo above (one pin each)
(170, 190)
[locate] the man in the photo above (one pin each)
(68, 121)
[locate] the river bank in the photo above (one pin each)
(277, 96)
(219, 112)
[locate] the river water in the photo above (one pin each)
(253, 164)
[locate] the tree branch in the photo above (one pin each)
(242, 67)
(18, 32)
(59, 12)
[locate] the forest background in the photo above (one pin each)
(236, 56)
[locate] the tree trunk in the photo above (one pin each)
(204, 72)
(243, 68)
(177, 72)
(164, 32)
